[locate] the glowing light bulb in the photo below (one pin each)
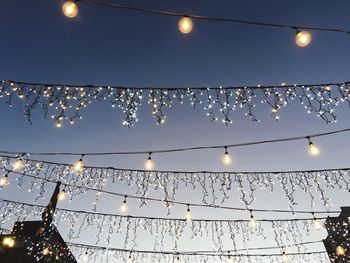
(78, 165)
(62, 195)
(252, 221)
(230, 259)
(185, 25)
(177, 259)
(58, 125)
(85, 258)
(285, 258)
(17, 164)
(70, 9)
(303, 38)
(4, 181)
(129, 260)
(313, 149)
(8, 242)
(124, 206)
(226, 159)
(149, 164)
(46, 251)
(188, 215)
(340, 251)
(317, 224)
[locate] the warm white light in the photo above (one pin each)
(85, 258)
(4, 181)
(8, 242)
(226, 159)
(149, 164)
(285, 258)
(58, 125)
(129, 260)
(303, 38)
(313, 149)
(70, 9)
(124, 206)
(317, 224)
(62, 195)
(252, 221)
(185, 25)
(17, 164)
(46, 251)
(188, 215)
(79, 165)
(230, 259)
(340, 251)
(177, 260)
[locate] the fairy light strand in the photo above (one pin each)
(64, 103)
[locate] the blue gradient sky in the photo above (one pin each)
(116, 47)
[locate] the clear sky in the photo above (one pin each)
(103, 46)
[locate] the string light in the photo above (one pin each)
(230, 259)
(313, 149)
(227, 159)
(185, 25)
(188, 215)
(17, 164)
(4, 181)
(8, 242)
(340, 251)
(252, 221)
(315, 99)
(70, 9)
(303, 38)
(124, 206)
(79, 165)
(285, 258)
(317, 223)
(149, 164)
(177, 259)
(85, 257)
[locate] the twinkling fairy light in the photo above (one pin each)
(66, 102)
(215, 186)
(132, 228)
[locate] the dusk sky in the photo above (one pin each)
(118, 47)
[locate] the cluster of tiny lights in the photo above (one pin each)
(303, 38)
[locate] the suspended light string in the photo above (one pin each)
(75, 190)
(215, 186)
(76, 222)
(185, 25)
(80, 163)
(66, 102)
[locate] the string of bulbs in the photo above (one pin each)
(303, 37)
(4, 181)
(149, 164)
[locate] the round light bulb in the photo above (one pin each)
(340, 251)
(70, 9)
(124, 207)
(227, 159)
(230, 259)
(85, 258)
(62, 195)
(17, 164)
(185, 25)
(318, 224)
(303, 38)
(129, 260)
(313, 149)
(285, 258)
(78, 165)
(177, 260)
(4, 181)
(46, 251)
(252, 222)
(8, 242)
(149, 164)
